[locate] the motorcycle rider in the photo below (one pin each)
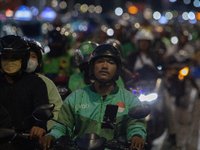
(85, 108)
(183, 44)
(57, 63)
(21, 93)
(144, 61)
(125, 74)
(34, 67)
(82, 56)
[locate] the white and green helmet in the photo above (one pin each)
(83, 52)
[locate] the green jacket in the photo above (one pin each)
(84, 109)
(54, 97)
(76, 81)
(58, 65)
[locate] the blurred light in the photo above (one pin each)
(46, 49)
(159, 67)
(175, 13)
(58, 28)
(185, 16)
(163, 20)
(48, 14)
(117, 26)
(196, 3)
(159, 29)
(44, 26)
(54, 3)
(174, 40)
(149, 97)
(156, 15)
(68, 25)
(23, 13)
(125, 16)
(133, 10)
(77, 6)
(50, 27)
(118, 11)
(91, 8)
(198, 16)
(34, 11)
(137, 25)
(169, 15)
(84, 8)
(187, 1)
(172, 1)
(191, 15)
(194, 21)
(98, 9)
(110, 32)
(74, 13)
(104, 28)
(63, 5)
(184, 71)
(190, 37)
(66, 33)
(9, 13)
(148, 14)
(2, 17)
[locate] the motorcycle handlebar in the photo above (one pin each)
(120, 144)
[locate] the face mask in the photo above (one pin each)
(11, 66)
(32, 65)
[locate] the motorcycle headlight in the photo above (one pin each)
(149, 98)
(184, 71)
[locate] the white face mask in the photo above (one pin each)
(32, 65)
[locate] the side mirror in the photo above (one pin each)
(139, 112)
(44, 112)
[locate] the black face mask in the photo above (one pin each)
(56, 51)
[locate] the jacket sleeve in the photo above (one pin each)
(39, 97)
(54, 97)
(65, 116)
(136, 127)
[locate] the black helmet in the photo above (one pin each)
(116, 43)
(83, 52)
(15, 44)
(36, 47)
(106, 50)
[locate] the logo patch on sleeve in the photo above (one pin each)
(121, 107)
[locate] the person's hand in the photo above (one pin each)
(36, 132)
(137, 143)
(45, 141)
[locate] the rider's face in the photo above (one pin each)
(33, 56)
(105, 68)
(143, 45)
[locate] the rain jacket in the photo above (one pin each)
(83, 111)
(54, 97)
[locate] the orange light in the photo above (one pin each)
(132, 9)
(184, 71)
(180, 77)
(9, 13)
(198, 15)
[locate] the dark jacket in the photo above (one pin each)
(22, 97)
(5, 121)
